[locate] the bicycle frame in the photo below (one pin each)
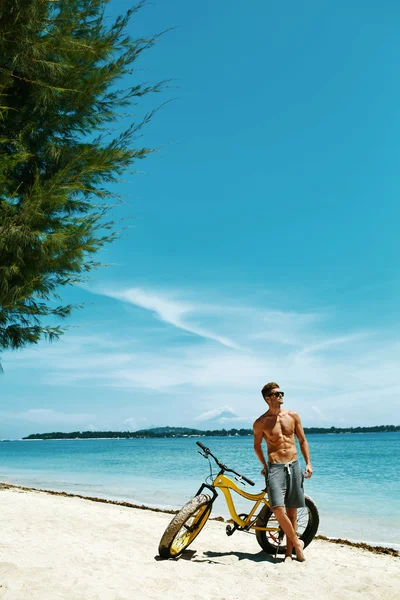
(225, 484)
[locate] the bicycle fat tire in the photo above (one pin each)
(308, 522)
(185, 526)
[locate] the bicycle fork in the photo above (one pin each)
(209, 487)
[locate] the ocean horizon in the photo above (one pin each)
(354, 484)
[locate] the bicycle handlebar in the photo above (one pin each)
(208, 452)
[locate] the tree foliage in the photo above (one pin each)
(60, 63)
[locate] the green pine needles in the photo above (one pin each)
(60, 63)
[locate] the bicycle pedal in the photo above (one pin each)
(229, 530)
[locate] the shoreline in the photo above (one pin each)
(385, 550)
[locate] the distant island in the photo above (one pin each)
(179, 432)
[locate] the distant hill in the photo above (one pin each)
(177, 432)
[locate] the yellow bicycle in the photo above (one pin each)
(190, 520)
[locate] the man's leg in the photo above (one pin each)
(289, 530)
(292, 516)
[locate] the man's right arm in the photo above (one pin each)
(258, 438)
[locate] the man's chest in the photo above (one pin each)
(276, 427)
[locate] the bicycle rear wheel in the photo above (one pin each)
(307, 527)
(185, 526)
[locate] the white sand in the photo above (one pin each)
(52, 547)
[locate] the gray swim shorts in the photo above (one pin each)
(284, 482)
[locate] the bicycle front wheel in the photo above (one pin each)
(307, 527)
(185, 526)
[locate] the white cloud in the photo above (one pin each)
(319, 413)
(277, 327)
(46, 416)
(328, 375)
(329, 343)
(169, 311)
(223, 412)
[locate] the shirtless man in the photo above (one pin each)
(284, 478)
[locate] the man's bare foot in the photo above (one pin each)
(299, 552)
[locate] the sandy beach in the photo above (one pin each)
(56, 547)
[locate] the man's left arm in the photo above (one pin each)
(305, 450)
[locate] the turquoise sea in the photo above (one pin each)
(355, 483)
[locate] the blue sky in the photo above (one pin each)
(265, 241)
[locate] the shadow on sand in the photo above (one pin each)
(212, 557)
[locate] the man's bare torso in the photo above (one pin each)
(278, 432)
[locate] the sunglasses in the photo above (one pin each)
(277, 394)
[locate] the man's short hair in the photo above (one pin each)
(268, 387)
